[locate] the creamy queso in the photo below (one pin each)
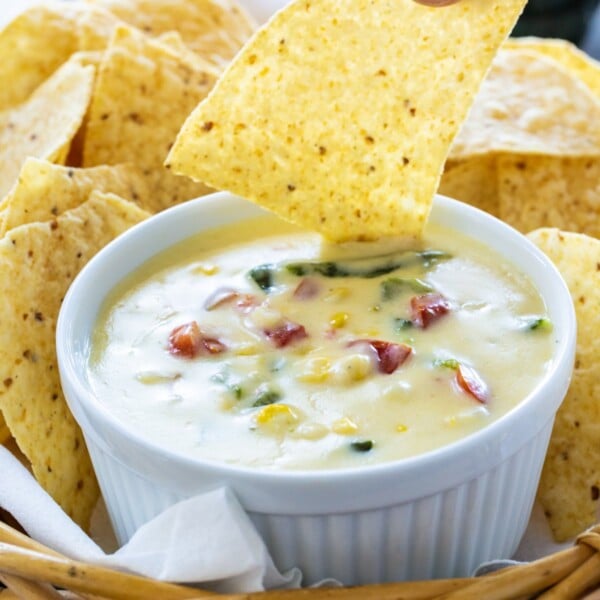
(255, 344)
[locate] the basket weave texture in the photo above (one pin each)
(32, 571)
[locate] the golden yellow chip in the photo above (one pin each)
(173, 40)
(41, 39)
(472, 180)
(529, 104)
(4, 430)
(45, 190)
(143, 93)
(570, 484)
(550, 191)
(338, 115)
(45, 124)
(215, 29)
(568, 55)
(38, 262)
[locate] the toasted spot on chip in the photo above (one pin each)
(41, 39)
(578, 63)
(4, 430)
(550, 191)
(143, 93)
(472, 180)
(45, 124)
(213, 29)
(45, 190)
(38, 262)
(532, 105)
(572, 466)
(386, 136)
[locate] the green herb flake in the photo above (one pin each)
(447, 363)
(265, 398)
(538, 324)
(401, 325)
(394, 286)
(237, 391)
(433, 257)
(263, 276)
(362, 446)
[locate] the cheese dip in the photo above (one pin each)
(256, 344)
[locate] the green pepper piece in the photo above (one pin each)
(362, 445)
(265, 398)
(539, 324)
(394, 286)
(263, 276)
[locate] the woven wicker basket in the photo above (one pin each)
(32, 571)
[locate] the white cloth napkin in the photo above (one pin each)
(207, 539)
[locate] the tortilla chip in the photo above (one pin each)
(41, 39)
(581, 65)
(174, 41)
(44, 126)
(571, 475)
(4, 430)
(472, 180)
(338, 115)
(214, 29)
(143, 93)
(45, 190)
(529, 104)
(550, 191)
(38, 262)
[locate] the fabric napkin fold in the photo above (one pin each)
(208, 539)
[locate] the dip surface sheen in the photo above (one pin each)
(316, 359)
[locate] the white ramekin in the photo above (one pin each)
(435, 515)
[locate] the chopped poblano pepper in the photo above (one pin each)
(265, 398)
(401, 325)
(358, 269)
(236, 390)
(362, 445)
(447, 363)
(263, 277)
(538, 324)
(394, 286)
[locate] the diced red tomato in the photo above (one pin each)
(470, 382)
(390, 356)
(427, 309)
(187, 341)
(285, 334)
(308, 288)
(223, 296)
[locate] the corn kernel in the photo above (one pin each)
(316, 371)
(344, 426)
(338, 320)
(280, 412)
(247, 350)
(337, 294)
(206, 269)
(401, 428)
(451, 421)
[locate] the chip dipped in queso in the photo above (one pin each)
(256, 344)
